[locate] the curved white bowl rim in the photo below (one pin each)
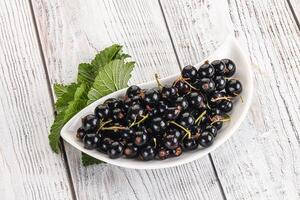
(229, 49)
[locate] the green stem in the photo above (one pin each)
(189, 84)
(183, 128)
(113, 128)
(139, 122)
(221, 120)
(155, 143)
(104, 123)
(158, 82)
(220, 98)
(200, 117)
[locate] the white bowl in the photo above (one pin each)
(229, 49)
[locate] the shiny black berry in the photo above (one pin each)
(140, 137)
(183, 87)
(152, 97)
(186, 120)
(219, 67)
(230, 67)
(226, 106)
(176, 152)
(131, 150)
(206, 71)
(163, 153)
(220, 82)
(207, 85)
(80, 133)
(116, 150)
(90, 122)
(162, 107)
(171, 113)
(118, 114)
(206, 139)
(134, 112)
(189, 72)
(181, 103)
(147, 153)
(195, 99)
(158, 124)
(126, 135)
(90, 141)
(175, 132)
(104, 145)
(133, 91)
(212, 129)
(190, 143)
(233, 87)
(102, 112)
(169, 92)
(171, 142)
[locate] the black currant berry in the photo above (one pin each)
(152, 97)
(104, 145)
(190, 143)
(171, 113)
(186, 120)
(226, 105)
(207, 85)
(216, 98)
(183, 87)
(195, 99)
(118, 114)
(102, 112)
(177, 152)
(230, 67)
(147, 153)
(116, 150)
(90, 122)
(163, 153)
(133, 91)
(126, 135)
(233, 87)
(80, 133)
(169, 92)
(206, 71)
(189, 72)
(90, 141)
(130, 150)
(181, 103)
(171, 142)
(219, 67)
(134, 112)
(212, 129)
(158, 124)
(206, 139)
(220, 82)
(140, 137)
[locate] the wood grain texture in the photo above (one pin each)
(262, 160)
(28, 168)
(71, 32)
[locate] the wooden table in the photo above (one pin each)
(43, 41)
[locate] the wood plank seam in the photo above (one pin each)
(63, 152)
(294, 13)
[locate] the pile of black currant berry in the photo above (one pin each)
(163, 122)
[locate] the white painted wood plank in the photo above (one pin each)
(28, 168)
(71, 32)
(262, 160)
